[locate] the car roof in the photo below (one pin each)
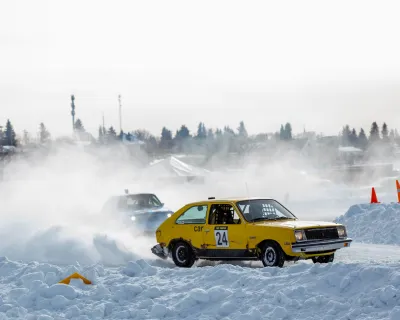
(233, 199)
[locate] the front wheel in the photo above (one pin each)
(183, 255)
(272, 255)
(324, 259)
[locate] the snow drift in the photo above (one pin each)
(373, 223)
(139, 290)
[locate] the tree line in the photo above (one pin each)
(202, 139)
(349, 137)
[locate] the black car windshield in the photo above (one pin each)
(142, 201)
(263, 209)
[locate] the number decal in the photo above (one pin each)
(221, 237)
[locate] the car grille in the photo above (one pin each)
(321, 233)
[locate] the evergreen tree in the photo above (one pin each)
(201, 131)
(218, 132)
(242, 130)
(110, 136)
(385, 133)
(353, 138)
(282, 134)
(362, 139)
(44, 135)
(79, 126)
(111, 132)
(228, 131)
(346, 135)
(166, 139)
(288, 131)
(9, 135)
(374, 133)
(182, 133)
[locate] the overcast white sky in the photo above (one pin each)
(315, 63)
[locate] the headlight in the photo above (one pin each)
(299, 234)
(342, 232)
(168, 215)
(133, 218)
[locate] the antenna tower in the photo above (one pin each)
(120, 116)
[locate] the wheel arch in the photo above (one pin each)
(175, 240)
(260, 245)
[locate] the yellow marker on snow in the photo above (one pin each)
(75, 276)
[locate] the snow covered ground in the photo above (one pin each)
(362, 283)
(140, 290)
(373, 223)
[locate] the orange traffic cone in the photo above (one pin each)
(374, 198)
(398, 190)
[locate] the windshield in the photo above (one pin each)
(263, 209)
(141, 201)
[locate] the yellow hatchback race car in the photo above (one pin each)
(246, 229)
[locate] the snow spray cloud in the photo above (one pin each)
(50, 207)
(50, 204)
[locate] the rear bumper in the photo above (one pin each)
(318, 246)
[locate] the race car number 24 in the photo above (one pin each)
(221, 237)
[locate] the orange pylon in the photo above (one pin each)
(75, 276)
(398, 190)
(374, 198)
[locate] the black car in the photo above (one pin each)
(144, 210)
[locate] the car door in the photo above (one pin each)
(223, 239)
(190, 224)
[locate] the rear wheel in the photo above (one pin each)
(272, 255)
(182, 255)
(324, 259)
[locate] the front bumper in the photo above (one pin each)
(320, 246)
(161, 252)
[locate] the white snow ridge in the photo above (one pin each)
(141, 291)
(373, 223)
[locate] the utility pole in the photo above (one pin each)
(73, 112)
(120, 116)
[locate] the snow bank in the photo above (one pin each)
(141, 291)
(373, 223)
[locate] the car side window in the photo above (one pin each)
(223, 214)
(193, 215)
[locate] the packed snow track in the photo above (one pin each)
(362, 283)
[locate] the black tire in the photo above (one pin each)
(272, 255)
(324, 259)
(183, 255)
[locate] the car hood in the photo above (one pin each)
(296, 224)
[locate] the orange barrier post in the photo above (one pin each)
(398, 190)
(374, 198)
